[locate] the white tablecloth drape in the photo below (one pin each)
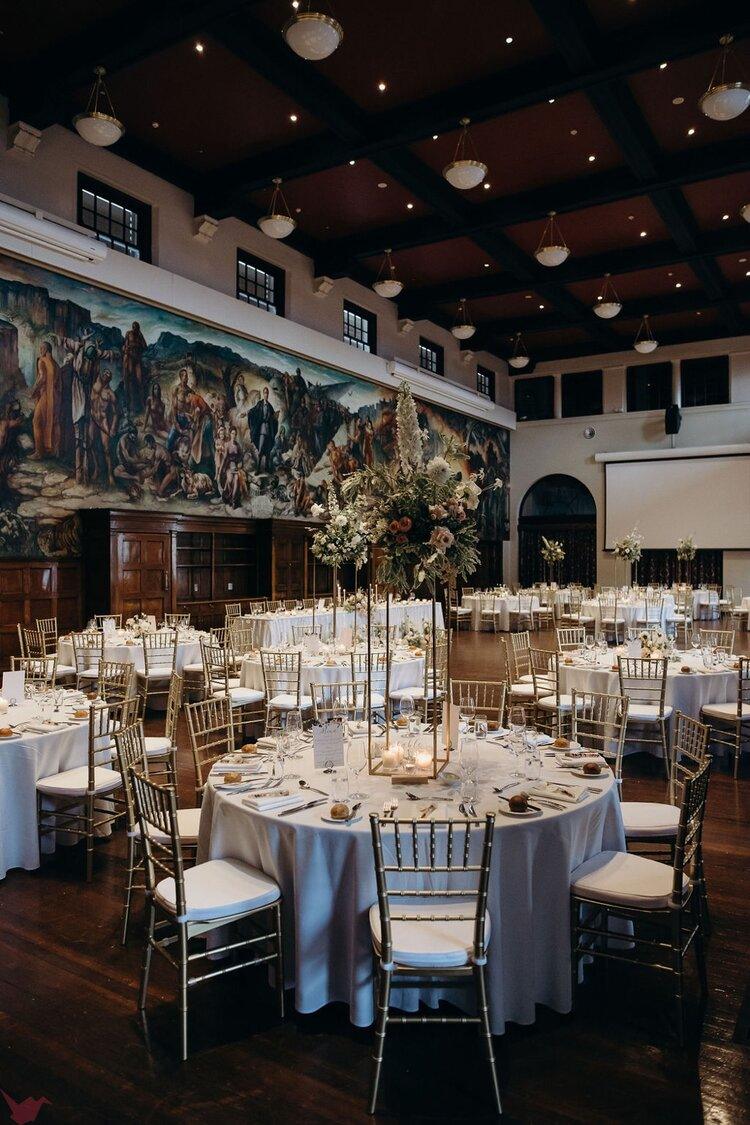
(327, 878)
(405, 672)
(630, 611)
(503, 606)
(274, 630)
(23, 761)
(188, 652)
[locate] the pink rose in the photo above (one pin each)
(441, 539)
(393, 527)
(438, 511)
(404, 523)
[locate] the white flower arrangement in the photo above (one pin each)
(630, 546)
(686, 548)
(653, 642)
(341, 540)
(552, 551)
(139, 624)
(418, 636)
(356, 601)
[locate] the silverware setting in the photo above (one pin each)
(311, 788)
(301, 808)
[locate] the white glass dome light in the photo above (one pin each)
(464, 172)
(645, 340)
(724, 100)
(278, 223)
(463, 329)
(312, 35)
(520, 355)
(98, 124)
(552, 249)
(386, 284)
(608, 304)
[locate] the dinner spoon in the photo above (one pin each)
(304, 785)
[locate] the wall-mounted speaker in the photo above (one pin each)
(672, 419)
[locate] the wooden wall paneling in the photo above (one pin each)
(32, 588)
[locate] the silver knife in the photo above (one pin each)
(301, 808)
(426, 812)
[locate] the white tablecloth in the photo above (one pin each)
(745, 605)
(630, 611)
(405, 672)
(504, 606)
(23, 761)
(188, 652)
(327, 878)
(274, 630)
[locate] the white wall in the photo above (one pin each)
(558, 445)
(48, 180)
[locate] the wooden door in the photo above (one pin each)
(141, 574)
(289, 566)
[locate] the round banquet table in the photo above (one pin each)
(117, 648)
(275, 630)
(745, 606)
(407, 670)
(629, 611)
(327, 877)
(45, 750)
(503, 604)
(686, 691)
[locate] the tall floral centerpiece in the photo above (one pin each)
(686, 551)
(553, 553)
(630, 548)
(339, 541)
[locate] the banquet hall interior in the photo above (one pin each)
(375, 561)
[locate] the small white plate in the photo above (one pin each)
(591, 776)
(8, 737)
(337, 820)
(520, 815)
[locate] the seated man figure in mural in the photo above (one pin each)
(263, 429)
(46, 396)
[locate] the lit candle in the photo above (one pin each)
(3, 706)
(424, 759)
(392, 757)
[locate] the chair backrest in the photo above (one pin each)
(88, 649)
(38, 670)
(115, 680)
(233, 609)
(570, 638)
(689, 749)
(520, 644)
(130, 746)
(282, 673)
(467, 591)
(291, 603)
(242, 632)
(211, 734)
(598, 722)
(177, 620)
(159, 651)
(258, 605)
(377, 662)
(643, 681)
(47, 626)
(174, 703)
(21, 630)
(308, 603)
(743, 686)
(218, 663)
(488, 696)
(690, 829)
(435, 658)
(718, 638)
(299, 632)
(275, 604)
(544, 670)
(410, 853)
(332, 697)
(34, 643)
(105, 720)
(156, 808)
(101, 619)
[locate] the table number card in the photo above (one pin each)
(12, 689)
(328, 744)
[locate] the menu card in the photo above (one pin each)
(12, 689)
(328, 744)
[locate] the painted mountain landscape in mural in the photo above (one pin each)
(107, 402)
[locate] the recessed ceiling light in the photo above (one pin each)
(574, 132)
(487, 187)
(352, 163)
(199, 47)
(592, 158)
(509, 39)
(670, 274)
(678, 285)
(298, 210)
(631, 217)
(691, 131)
(662, 66)
(747, 273)
(743, 260)
(434, 136)
(154, 124)
(699, 314)
(293, 118)
(643, 233)
(528, 296)
(541, 306)
(409, 206)
(486, 265)
(677, 101)
(724, 218)
(382, 185)
(382, 87)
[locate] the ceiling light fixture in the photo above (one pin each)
(678, 101)
(409, 206)
(199, 47)
(509, 39)
(154, 124)
(386, 284)
(592, 158)
(486, 185)
(312, 35)
(463, 329)
(434, 136)
(678, 285)
(644, 233)
(551, 101)
(464, 172)
(724, 100)
(662, 66)
(552, 249)
(608, 304)
(98, 124)
(278, 223)
(645, 340)
(293, 118)
(691, 131)
(724, 218)
(352, 163)
(519, 357)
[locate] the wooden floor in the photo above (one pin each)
(69, 1030)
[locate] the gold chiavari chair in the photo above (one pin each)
(115, 680)
(570, 638)
(274, 605)
(330, 699)
(47, 626)
(645, 684)
(489, 613)
(41, 671)
(662, 902)
(553, 706)
(242, 633)
(161, 749)
(190, 903)
(599, 722)
(379, 668)
(467, 591)
(718, 638)
(649, 612)
(232, 609)
(611, 618)
(299, 632)
(130, 747)
(575, 614)
(211, 733)
(282, 676)
(488, 696)
(458, 615)
(84, 797)
(159, 657)
(730, 722)
(258, 605)
(88, 653)
(21, 630)
(291, 603)
(420, 934)
(308, 603)
(101, 619)
(682, 617)
(34, 643)
(520, 616)
(518, 668)
(221, 680)
(177, 620)
(428, 695)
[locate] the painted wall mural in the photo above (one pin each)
(106, 401)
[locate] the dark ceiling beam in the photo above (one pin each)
(482, 99)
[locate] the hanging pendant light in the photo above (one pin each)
(98, 124)
(386, 284)
(278, 223)
(724, 100)
(745, 212)
(312, 35)
(520, 355)
(463, 329)
(465, 172)
(552, 249)
(645, 340)
(608, 304)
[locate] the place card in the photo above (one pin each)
(12, 688)
(328, 744)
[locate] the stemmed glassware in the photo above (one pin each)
(601, 642)
(356, 760)
(517, 724)
(469, 769)
(695, 641)
(284, 748)
(294, 731)
(467, 709)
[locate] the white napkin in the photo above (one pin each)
(275, 799)
(567, 762)
(245, 768)
(570, 794)
(266, 743)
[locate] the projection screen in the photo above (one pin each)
(707, 497)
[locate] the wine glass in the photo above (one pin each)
(467, 709)
(406, 708)
(356, 760)
(469, 769)
(590, 647)
(601, 640)
(532, 755)
(695, 641)
(294, 730)
(284, 748)
(517, 724)
(481, 728)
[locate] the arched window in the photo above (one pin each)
(558, 507)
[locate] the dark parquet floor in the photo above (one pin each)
(69, 1031)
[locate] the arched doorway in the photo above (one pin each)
(558, 507)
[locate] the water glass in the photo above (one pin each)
(469, 769)
(294, 730)
(356, 760)
(480, 728)
(467, 709)
(532, 756)
(695, 641)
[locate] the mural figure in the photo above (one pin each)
(263, 427)
(46, 394)
(134, 345)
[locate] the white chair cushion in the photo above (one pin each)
(613, 621)
(418, 693)
(242, 696)
(89, 674)
(75, 782)
(195, 669)
(160, 673)
(424, 945)
(625, 879)
(414, 690)
(157, 744)
(647, 712)
(288, 702)
(66, 670)
(218, 685)
(725, 711)
(565, 703)
(188, 824)
(377, 699)
(219, 888)
(527, 678)
(649, 818)
(524, 691)
(461, 611)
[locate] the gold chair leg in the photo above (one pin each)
(279, 962)
(678, 975)
(183, 990)
(129, 888)
(146, 967)
(90, 802)
(487, 1034)
(737, 750)
(381, 1023)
